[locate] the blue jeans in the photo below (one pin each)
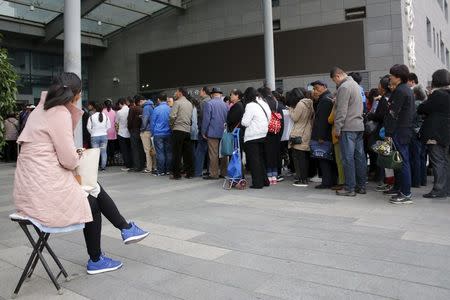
(403, 176)
(101, 142)
(199, 155)
(353, 159)
(163, 148)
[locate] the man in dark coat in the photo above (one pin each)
(321, 132)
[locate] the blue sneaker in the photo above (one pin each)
(104, 264)
(134, 234)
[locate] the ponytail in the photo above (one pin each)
(62, 90)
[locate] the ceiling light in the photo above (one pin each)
(32, 7)
(99, 23)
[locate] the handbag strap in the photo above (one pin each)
(267, 117)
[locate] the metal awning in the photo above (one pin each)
(99, 18)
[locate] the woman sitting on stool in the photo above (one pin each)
(45, 188)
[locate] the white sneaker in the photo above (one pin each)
(146, 171)
(316, 179)
(125, 169)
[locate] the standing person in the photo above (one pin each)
(377, 113)
(235, 114)
(112, 133)
(301, 111)
(98, 125)
(91, 108)
(321, 132)
(358, 78)
(11, 133)
(435, 132)
(180, 122)
(146, 137)
(134, 126)
(337, 153)
(160, 128)
(23, 117)
(417, 149)
(214, 117)
(349, 128)
(202, 145)
(399, 130)
(256, 123)
(44, 186)
(273, 138)
(123, 134)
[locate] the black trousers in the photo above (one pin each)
(254, 153)
(329, 172)
(301, 163)
(10, 151)
(182, 148)
(125, 149)
(137, 150)
(111, 149)
(103, 204)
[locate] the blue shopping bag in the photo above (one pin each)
(234, 169)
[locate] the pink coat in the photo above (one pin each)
(44, 186)
(112, 133)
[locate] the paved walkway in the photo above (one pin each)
(281, 242)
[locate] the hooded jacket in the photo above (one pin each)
(160, 124)
(147, 110)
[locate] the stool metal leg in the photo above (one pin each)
(52, 254)
(30, 260)
(36, 259)
(35, 256)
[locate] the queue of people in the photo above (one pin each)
(312, 133)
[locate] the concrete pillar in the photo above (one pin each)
(72, 49)
(268, 44)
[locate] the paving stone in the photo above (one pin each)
(277, 243)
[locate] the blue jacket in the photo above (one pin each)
(214, 117)
(160, 120)
(147, 111)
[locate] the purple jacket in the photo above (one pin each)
(214, 117)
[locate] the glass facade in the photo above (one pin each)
(36, 70)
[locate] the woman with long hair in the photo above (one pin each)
(112, 145)
(45, 188)
(273, 138)
(256, 122)
(98, 126)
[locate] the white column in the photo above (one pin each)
(268, 44)
(72, 49)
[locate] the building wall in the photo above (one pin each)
(428, 60)
(212, 20)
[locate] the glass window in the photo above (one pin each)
(114, 15)
(26, 12)
(97, 28)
